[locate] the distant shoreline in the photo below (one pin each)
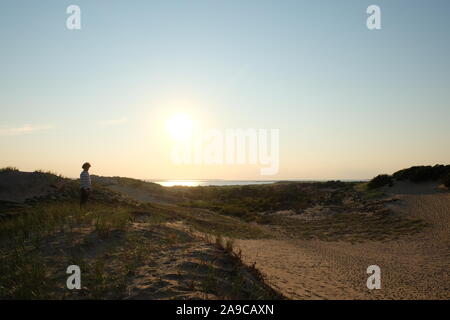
(223, 182)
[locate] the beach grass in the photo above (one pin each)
(113, 246)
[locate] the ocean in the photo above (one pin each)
(212, 182)
(200, 182)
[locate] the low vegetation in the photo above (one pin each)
(423, 173)
(446, 181)
(116, 248)
(416, 174)
(356, 211)
(245, 202)
(380, 181)
(8, 169)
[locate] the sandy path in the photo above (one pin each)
(415, 267)
(294, 271)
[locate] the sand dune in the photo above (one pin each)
(318, 251)
(18, 186)
(414, 267)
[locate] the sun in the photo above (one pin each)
(180, 126)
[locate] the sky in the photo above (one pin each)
(349, 102)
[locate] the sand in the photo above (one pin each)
(414, 267)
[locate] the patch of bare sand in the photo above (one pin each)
(414, 267)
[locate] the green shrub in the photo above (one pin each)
(380, 181)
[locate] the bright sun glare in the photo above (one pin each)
(180, 126)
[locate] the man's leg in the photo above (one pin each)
(87, 193)
(83, 197)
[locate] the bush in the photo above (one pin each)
(380, 181)
(423, 173)
(231, 210)
(333, 184)
(446, 181)
(8, 169)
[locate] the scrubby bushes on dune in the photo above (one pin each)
(380, 181)
(245, 201)
(333, 184)
(415, 174)
(446, 181)
(8, 169)
(423, 173)
(237, 211)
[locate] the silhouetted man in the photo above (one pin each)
(85, 184)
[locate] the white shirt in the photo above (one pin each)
(85, 180)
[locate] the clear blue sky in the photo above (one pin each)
(349, 102)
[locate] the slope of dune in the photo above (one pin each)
(413, 267)
(17, 186)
